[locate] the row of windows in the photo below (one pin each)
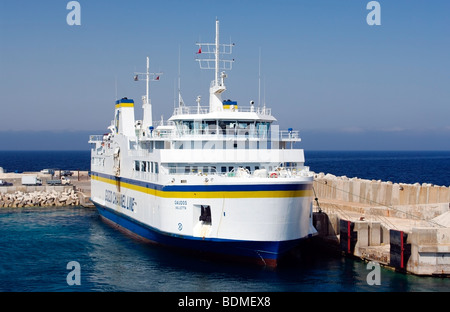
(146, 166)
(98, 161)
(174, 169)
(153, 167)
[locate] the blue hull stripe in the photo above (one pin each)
(210, 188)
(257, 250)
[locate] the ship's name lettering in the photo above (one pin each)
(124, 201)
(180, 204)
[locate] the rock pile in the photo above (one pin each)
(39, 198)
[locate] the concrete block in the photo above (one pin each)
(424, 191)
(362, 229)
(430, 252)
(444, 193)
(424, 236)
(374, 233)
(333, 225)
(433, 194)
(395, 194)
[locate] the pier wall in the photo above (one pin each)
(402, 226)
(422, 251)
(430, 251)
(424, 201)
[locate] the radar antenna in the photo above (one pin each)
(208, 56)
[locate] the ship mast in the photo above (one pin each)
(147, 99)
(146, 103)
(217, 85)
(216, 76)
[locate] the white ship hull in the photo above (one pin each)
(259, 221)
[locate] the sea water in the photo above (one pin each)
(38, 246)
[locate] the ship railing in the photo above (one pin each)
(189, 110)
(162, 123)
(214, 134)
(287, 135)
(240, 172)
(248, 109)
(225, 134)
(95, 138)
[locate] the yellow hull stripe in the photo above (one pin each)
(220, 194)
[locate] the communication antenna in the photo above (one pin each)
(148, 77)
(180, 99)
(208, 55)
(259, 78)
(146, 104)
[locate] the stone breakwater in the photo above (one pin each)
(39, 199)
(424, 201)
(403, 226)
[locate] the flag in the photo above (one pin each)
(157, 78)
(136, 78)
(199, 50)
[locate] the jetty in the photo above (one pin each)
(405, 227)
(45, 192)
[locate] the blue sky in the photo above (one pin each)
(342, 83)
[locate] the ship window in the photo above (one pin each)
(194, 169)
(223, 169)
(172, 169)
(187, 169)
(256, 167)
(156, 168)
(136, 165)
(205, 169)
(243, 125)
(143, 166)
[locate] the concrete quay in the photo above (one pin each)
(18, 195)
(401, 226)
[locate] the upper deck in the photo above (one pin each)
(229, 112)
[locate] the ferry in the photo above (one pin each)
(221, 179)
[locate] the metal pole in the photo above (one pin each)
(217, 53)
(148, 80)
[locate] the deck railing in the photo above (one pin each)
(189, 110)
